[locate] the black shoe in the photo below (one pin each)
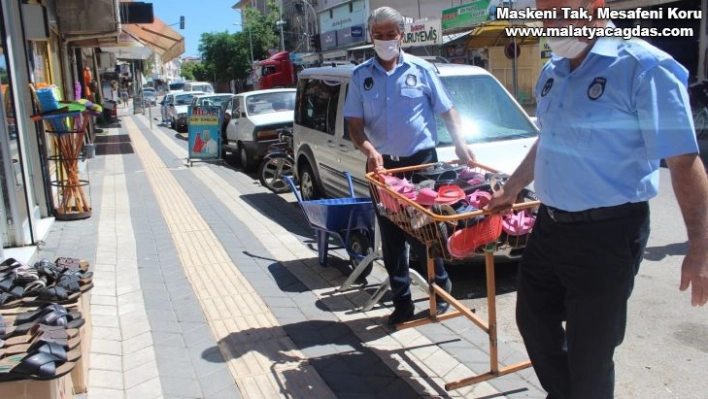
(401, 314)
(441, 305)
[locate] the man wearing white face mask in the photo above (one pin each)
(609, 111)
(390, 107)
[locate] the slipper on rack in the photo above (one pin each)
(84, 277)
(51, 348)
(72, 263)
(55, 331)
(64, 337)
(54, 294)
(37, 366)
(9, 300)
(39, 312)
(10, 264)
(72, 284)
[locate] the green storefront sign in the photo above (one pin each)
(465, 15)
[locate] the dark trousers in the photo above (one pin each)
(581, 274)
(393, 240)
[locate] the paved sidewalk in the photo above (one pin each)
(208, 286)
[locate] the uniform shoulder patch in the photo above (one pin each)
(547, 87)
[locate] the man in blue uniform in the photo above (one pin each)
(391, 107)
(609, 111)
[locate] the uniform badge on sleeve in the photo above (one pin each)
(411, 80)
(547, 87)
(368, 83)
(596, 88)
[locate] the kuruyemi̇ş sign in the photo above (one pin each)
(204, 132)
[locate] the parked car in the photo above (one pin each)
(199, 86)
(213, 99)
(496, 126)
(149, 96)
(254, 120)
(177, 109)
(165, 104)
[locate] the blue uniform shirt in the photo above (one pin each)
(606, 125)
(398, 107)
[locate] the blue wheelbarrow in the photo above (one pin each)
(350, 220)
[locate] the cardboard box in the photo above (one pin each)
(58, 388)
(79, 375)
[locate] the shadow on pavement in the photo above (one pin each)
(659, 253)
(286, 214)
(288, 282)
(344, 362)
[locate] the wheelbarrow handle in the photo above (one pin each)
(291, 183)
(350, 183)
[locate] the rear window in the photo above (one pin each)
(176, 86)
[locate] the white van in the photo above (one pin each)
(496, 126)
(199, 86)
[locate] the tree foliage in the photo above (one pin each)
(186, 70)
(227, 56)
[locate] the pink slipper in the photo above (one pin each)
(449, 195)
(518, 223)
(479, 198)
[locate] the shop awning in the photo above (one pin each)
(493, 33)
(160, 37)
(455, 37)
(127, 47)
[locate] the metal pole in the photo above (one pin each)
(250, 43)
(514, 82)
(282, 38)
(703, 44)
(307, 31)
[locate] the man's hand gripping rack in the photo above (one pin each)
(472, 233)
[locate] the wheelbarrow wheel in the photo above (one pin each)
(360, 244)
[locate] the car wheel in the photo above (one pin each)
(271, 172)
(245, 158)
(309, 189)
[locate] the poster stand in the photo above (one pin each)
(204, 133)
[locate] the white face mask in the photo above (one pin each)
(386, 49)
(566, 47)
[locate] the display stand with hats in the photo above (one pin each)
(445, 211)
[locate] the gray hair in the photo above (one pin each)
(384, 15)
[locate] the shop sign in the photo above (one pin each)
(422, 33)
(351, 35)
(466, 15)
(341, 17)
(204, 132)
(328, 40)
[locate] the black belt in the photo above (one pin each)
(415, 159)
(597, 214)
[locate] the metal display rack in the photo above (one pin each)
(479, 231)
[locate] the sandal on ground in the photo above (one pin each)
(37, 366)
(54, 294)
(84, 277)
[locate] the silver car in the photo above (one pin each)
(177, 109)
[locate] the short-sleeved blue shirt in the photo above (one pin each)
(398, 107)
(606, 125)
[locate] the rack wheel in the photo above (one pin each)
(360, 243)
